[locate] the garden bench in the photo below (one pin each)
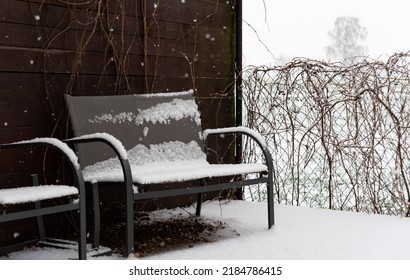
(146, 139)
(34, 195)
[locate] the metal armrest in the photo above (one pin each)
(113, 143)
(243, 131)
(60, 147)
(268, 157)
(119, 150)
(121, 153)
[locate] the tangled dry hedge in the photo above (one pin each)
(339, 133)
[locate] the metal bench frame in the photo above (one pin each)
(204, 187)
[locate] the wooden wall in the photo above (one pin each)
(52, 47)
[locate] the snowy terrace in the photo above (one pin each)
(300, 233)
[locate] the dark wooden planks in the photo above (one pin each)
(166, 46)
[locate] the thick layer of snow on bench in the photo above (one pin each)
(157, 173)
(176, 109)
(35, 193)
(167, 162)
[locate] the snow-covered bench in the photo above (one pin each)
(155, 139)
(34, 194)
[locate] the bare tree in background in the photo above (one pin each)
(346, 37)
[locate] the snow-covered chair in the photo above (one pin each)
(32, 196)
(155, 139)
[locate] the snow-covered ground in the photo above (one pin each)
(300, 233)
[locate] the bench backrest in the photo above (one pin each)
(147, 119)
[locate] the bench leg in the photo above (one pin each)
(200, 199)
(271, 210)
(37, 205)
(96, 216)
(129, 218)
(199, 204)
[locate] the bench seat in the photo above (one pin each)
(171, 172)
(35, 193)
(172, 161)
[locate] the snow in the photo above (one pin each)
(119, 118)
(300, 233)
(173, 172)
(172, 151)
(177, 109)
(145, 131)
(35, 193)
(172, 161)
(162, 113)
(167, 94)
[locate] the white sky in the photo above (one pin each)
(299, 28)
